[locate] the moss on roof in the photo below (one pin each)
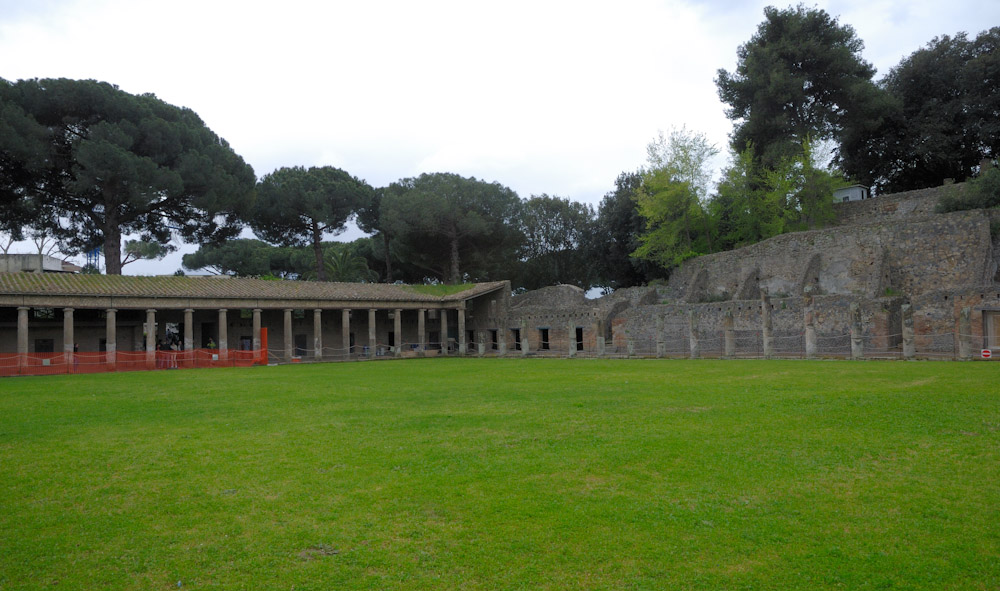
(221, 287)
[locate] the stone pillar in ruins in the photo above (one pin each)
(857, 334)
(965, 334)
(693, 334)
(765, 315)
(729, 334)
(810, 328)
(661, 345)
(571, 337)
(909, 343)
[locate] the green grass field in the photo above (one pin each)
(505, 474)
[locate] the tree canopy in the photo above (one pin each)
(555, 231)
(800, 76)
(941, 117)
(297, 206)
(454, 228)
(103, 163)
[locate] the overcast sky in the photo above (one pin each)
(544, 97)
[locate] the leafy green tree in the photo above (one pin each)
(298, 206)
(615, 237)
(107, 163)
(800, 75)
(453, 228)
(243, 258)
(981, 192)
(552, 252)
(345, 265)
(940, 121)
(671, 199)
(136, 250)
(370, 220)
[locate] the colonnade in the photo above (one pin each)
(222, 342)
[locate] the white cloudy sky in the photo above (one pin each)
(553, 97)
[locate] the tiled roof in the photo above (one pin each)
(63, 284)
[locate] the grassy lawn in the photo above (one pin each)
(505, 474)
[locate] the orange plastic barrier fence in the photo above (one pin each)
(40, 364)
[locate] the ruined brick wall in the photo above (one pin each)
(893, 207)
(907, 257)
(880, 317)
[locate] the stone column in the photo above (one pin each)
(372, 335)
(909, 344)
(810, 328)
(443, 314)
(965, 334)
(22, 334)
(223, 335)
(693, 332)
(422, 329)
(661, 345)
(729, 334)
(765, 314)
(630, 347)
(857, 336)
(502, 339)
(461, 332)
(571, 331)
(318, 334)
(189, 330)
(150, 338)
(481, 342)
(524, 337)
(345, 332)
(111, 338)
(256, 329)
(599, 331)
(289, 340)
(68, 338)
(397, 326)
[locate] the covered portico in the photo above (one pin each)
(65, 320)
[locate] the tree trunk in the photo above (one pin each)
(317, 240)
(455, 276)
(112, 248)
(388, 259)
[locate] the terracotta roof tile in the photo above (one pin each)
(219, 287)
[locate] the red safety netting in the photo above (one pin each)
(40, 364)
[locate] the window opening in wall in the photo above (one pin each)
(543, 339)
(494, 340)
(45, 346)
(392, 339)
(246, 313)
(102, 345)
(515, 334)
(246, 343)
(44, 313)
(991, 325)
(350, 342)
(579, 338)
(434, 340)
(470, 337)
(299, 314)
(300, 345)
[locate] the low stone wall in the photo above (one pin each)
(893, 207)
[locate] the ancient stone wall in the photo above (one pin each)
(877, 259)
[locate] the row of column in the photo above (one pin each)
(111, 336)
(345, 323)
(965, 350)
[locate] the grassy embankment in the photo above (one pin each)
(505, 474)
